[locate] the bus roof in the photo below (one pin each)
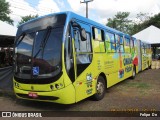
(71, 15)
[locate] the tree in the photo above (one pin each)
(155, 20)
(120, 22)
(5, 11)
(143, 17)
(145, 21)
(27, 18)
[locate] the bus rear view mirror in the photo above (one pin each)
(83, 34)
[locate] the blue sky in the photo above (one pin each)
(99, 10)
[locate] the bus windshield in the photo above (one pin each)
(38, 54)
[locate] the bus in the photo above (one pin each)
(65, 58)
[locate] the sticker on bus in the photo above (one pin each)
(35, 70)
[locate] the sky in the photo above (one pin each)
(99, 10)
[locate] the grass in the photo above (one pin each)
(140, 85)
(136, 87)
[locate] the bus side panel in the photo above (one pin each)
(139, 55)
(144, 56)
(111, 63)
(149, 53)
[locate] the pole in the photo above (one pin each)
(86, 6)
(86, 9)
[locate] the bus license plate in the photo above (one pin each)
(33, 95)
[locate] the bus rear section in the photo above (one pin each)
(144, 55)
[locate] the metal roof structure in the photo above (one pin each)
(150, 35)
(7, 34)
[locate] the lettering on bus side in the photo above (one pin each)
(128, 68)
(89, 83)
(89, 91)
(99, 64)
(145, 58)
(127, 61)
(89, 80)
(108, 64)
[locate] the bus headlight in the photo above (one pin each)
(56, 86)
(16, 85)
(52, 87)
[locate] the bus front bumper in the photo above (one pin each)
(62, 96)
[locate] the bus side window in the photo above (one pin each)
(132, 46)
(83, 51)
(82, 46)
(98, 36)
(143, 48)
(110, 42)
(127, 45)
(119, 44)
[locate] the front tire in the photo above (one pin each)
(100, 89)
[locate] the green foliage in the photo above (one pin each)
(27, 18)
(120, 22)
(148, 21)
(143, 17)
(5, 11)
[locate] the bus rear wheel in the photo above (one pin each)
(100, 89)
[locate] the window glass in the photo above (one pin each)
(82, 46)
(127, 42)
(110, 37)
(49, 59)
(24, 54)
(127, 45)
(38, 43)
(98, 34)
(110, 42)
(132, 46)
(121, 40)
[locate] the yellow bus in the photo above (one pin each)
(65, 58)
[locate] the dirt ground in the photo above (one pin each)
(140, 94)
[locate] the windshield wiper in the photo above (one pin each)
(43, 42)
(19, 41)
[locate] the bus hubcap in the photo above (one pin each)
(100, 88)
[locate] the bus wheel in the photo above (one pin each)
(134, 72)
(100, 88)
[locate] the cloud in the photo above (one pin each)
(108, 8)
(47, 6)
(61, 3)
(99, 10)
(77, 6)
(21, 8)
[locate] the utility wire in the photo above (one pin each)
(42, 8)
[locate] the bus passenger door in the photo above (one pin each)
(83, 59)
